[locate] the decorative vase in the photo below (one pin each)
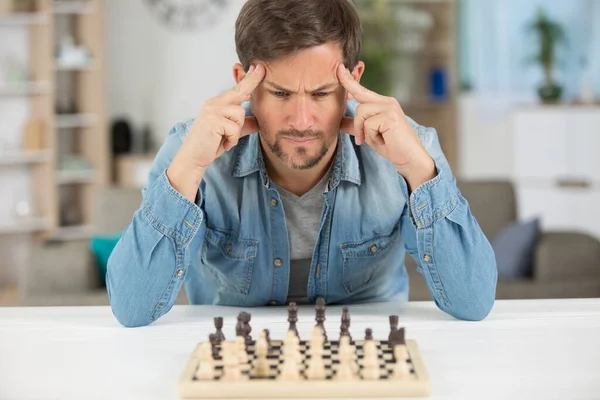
(550, 92)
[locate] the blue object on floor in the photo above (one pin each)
(102, 247)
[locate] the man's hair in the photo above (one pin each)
(266, 30)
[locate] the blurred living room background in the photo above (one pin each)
(89, 89)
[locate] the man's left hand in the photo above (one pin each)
(380, 122)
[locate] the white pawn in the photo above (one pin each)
(290, 371)
(401, 367)
(316, 365)
(242, 355)
(370, 369)
(261, 364)
(231, 366)
(291, 346)
(206, 363)
(346, 370)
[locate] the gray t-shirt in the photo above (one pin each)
(302, 217)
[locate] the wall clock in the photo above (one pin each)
(188, 14)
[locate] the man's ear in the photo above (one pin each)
(358, 71)
(238, 72)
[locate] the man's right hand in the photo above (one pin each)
(220, 124)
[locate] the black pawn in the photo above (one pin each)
(393, 329)
(368, 334)
(219, 333)
(293, 317)
(320, 315)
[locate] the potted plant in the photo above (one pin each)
(549, 35)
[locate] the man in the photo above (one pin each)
(299, 183)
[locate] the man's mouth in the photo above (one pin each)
(300, 140)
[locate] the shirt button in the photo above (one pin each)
(373, 248)
(273, 303)
(426, 258)
(277, 262)
(179, 272)
(273, 202)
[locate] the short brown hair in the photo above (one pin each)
(269, 29)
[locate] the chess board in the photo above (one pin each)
(416, 385)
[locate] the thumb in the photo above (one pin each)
(250, 126)
(347, 125)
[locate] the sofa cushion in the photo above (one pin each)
(492, 203)
(515, 247)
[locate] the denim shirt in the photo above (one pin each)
(230, 246)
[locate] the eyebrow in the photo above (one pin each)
(319, 89)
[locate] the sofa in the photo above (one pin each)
(565, 264)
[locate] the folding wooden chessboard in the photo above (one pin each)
(249, 386)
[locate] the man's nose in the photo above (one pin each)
(302, 116)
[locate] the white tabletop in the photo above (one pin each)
(536, 349)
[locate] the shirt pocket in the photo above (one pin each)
(230, 259)
(361, 260)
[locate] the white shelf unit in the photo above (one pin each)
(24, 89)
(13, 158)
(557, 166)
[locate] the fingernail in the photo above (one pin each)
(252, 68)
(257, 67)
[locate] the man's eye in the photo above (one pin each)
(321, 94)
(279, 94)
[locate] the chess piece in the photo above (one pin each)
(239, 327)
(242, 355)
(345, 326)
(268, 337)
(293, 317)
(247, 328)
(320, 315)
(397, 338)
(214, 342)
(205, 362)
(393, 329)
(370, 370)
(219, 333)
(346, 369)
(368, 334)
(290, 370)
(316, 365)
(401, 368)
(231, 365)
(292, 343)
(261, 363)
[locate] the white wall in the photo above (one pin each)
(162, 76)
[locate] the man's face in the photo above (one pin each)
(299, 106)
